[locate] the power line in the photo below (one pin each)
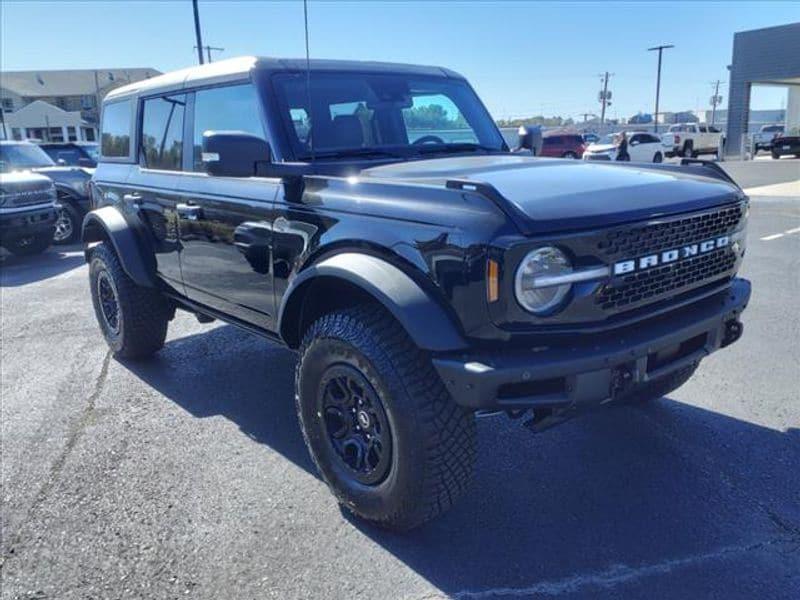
(208, 50)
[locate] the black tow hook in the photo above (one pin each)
(733, 331)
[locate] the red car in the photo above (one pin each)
(563, 145)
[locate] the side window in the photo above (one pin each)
(703, 129)
(232, 108)
(162, 132)
(115, 140)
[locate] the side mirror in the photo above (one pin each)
(233, 153)
(61, 162)
(635, 143)
(530, 138)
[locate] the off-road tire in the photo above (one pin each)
(688, 150)
(653, 390)
(30, 245)
(775, 155)
(143, 312)
(433, 440)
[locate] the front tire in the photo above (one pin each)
(68, 224)
(360, 377)
(132, 318)
(658, 157)
(775, 155)
(571, 155)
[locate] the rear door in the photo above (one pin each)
(226, 222)
(151, 187)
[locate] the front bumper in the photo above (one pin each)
(19, 223)
(592, 370)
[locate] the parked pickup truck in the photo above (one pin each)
(27, 212)
(692, 139)
(763, 139)
(422, 279)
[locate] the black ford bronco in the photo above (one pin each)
(371, 217)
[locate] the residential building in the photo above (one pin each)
(59, 105)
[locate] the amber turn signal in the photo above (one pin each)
(492, 281)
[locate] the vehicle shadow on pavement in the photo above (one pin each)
(627, 489)
(21, 270)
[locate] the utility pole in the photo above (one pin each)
(658, 78)
(208, 50)
(716, 100)
(197, 32)
(604, 97)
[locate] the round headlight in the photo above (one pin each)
(534, 292)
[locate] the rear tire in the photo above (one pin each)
(30, 245)
(775, 155)
(653, 390)
(571, 155)
(428, 442)
(132, 318)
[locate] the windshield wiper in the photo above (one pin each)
(356, 153)
(455, 147)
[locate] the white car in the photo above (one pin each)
(642, 147)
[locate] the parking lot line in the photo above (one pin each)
(791, 231)
(769, 238)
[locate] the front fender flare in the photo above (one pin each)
(107, 223)
(423, 318)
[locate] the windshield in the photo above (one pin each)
(22, 156)
(360, 114)
(609, 138)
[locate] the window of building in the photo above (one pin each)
(162, 132)
(8, 105)
(55, 134)
(72, 135)
(16, 134)
(88, 134)
(233, 108)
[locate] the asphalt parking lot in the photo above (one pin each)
(186, 476)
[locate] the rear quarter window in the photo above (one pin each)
(116, 126)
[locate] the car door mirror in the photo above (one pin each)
(233, 153)
(635, 143)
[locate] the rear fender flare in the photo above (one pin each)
(107, 223)
(424, 319)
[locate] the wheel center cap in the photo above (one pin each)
(363, 419)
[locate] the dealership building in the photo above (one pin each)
(768, 56)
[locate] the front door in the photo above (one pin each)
(225, 222)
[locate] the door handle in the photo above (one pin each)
(132, 198)
(191, 212)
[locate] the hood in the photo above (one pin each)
(546, 195)
(600, 147)
(23, 180)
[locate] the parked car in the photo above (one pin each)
(693, 139)
(420, 283)
(562, 145)
(784, 145)
(73, 154)
(27, 212)
(72, 185)
(642, 147)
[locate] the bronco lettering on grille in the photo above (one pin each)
(669, 256)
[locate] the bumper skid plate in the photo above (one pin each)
(587, 373)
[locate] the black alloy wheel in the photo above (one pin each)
(355, 423)
(109, 302)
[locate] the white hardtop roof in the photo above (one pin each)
(234, 69)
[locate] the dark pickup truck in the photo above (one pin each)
(371, 217)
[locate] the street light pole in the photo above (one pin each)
(197, 32)
(658, 79)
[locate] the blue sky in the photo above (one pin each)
(522, 57)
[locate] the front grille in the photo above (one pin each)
(647, 285)
(597, 157)
(648, 239)
(30, 197)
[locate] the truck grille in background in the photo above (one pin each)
(30, 197)
(660, 282)
(648, 239)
